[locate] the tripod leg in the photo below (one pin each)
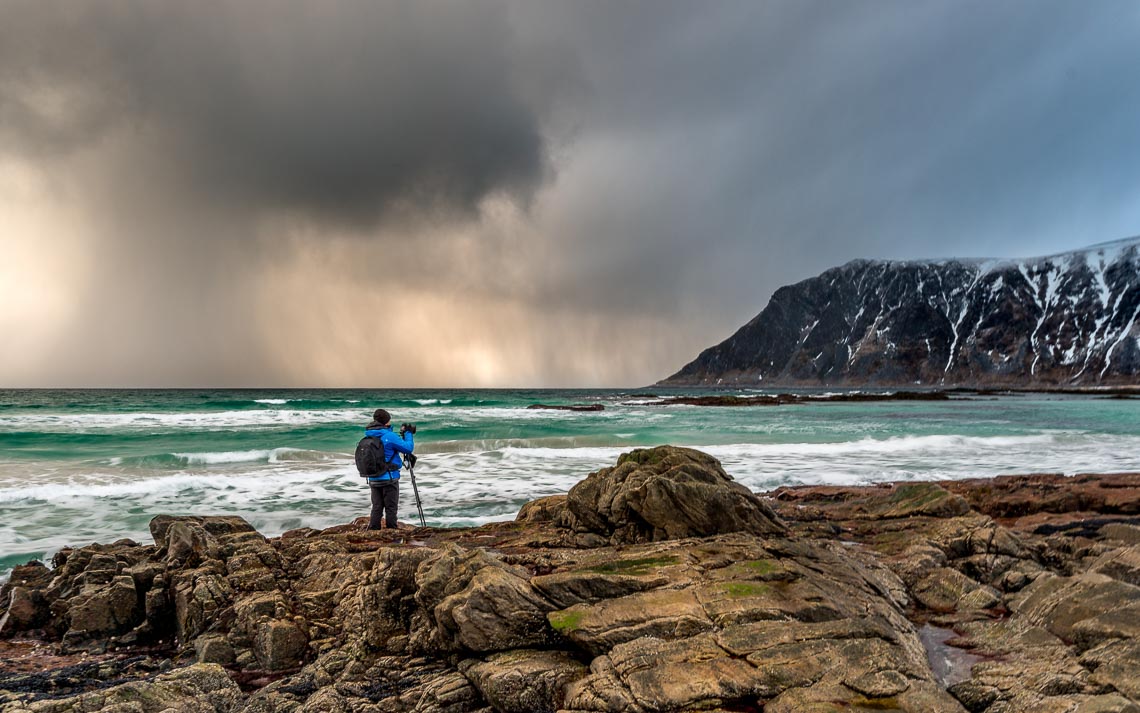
(416, 492)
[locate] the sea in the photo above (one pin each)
(83, 466)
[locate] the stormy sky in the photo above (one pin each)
(489, 193)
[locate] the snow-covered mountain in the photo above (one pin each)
(1061, 320)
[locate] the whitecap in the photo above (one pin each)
(195, 420)
(269, 455)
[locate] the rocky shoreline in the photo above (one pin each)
(658, 584)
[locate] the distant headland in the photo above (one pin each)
(1067, 320)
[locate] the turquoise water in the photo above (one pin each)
(84, 466)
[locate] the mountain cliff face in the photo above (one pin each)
(1062, 320)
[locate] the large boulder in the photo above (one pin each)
(666, 493)
(498, 610)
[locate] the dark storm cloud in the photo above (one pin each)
(198, 140)
(675, 162)
(764, 142)
(339, 110)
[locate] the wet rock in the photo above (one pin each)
(25, 610)
(667, 493)
(1018, 497)
(22, 604)
(882, 502)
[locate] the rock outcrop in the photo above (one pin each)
(665, 494)
(1048, 609)
(656, 585)
(1064, 320)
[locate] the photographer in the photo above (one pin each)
(384, 479)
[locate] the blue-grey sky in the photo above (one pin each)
(519, 193)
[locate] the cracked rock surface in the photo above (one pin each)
(656, 585)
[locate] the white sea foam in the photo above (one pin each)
(225, 457)
(270, 455)
(45, 504)
(225, 420)
(280, 402)
(197, 420)
(899, 444)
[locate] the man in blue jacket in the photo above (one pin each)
(385, 487)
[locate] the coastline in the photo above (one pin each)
(82, 467)
(1000, 563)
(907, 390)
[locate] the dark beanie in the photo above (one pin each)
(382, 417)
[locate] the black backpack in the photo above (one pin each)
(370, 458)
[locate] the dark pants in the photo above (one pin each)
(385, 499)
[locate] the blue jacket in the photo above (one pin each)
(393, 445)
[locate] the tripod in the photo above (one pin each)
(410, 460)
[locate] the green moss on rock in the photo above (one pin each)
(762, 567)
(565, 620)
(635, 567)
